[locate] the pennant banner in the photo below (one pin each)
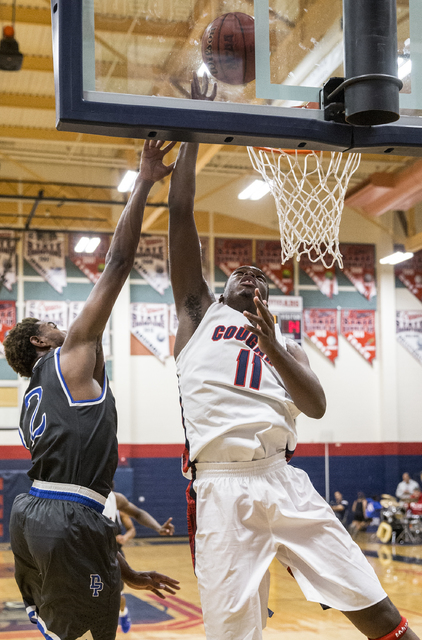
(7, 320)
(91, 264)
(268, 259)
(410, 273)
(47, 311)
(151, 261)
(74, 310)
(358, 327)
(8, 259)
(230, 254)
(320, 326)
(359, 267)
(44, 251)
(150, 325)
(409, 332)
(325, 279)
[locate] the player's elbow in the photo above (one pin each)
(317, 409)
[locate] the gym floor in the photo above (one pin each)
(399, 569)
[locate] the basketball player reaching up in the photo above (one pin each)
(241, 387)
(66, 560)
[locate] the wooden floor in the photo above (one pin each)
(179, 617)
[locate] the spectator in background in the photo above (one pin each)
(340, 507)
(373, 509)
(415, 504)
(406, 488)
(360, 521)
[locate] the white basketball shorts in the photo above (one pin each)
(247, 514)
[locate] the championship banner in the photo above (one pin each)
(230, 254)
(325, 279)
(151, 262)
(287, 312)
(44, 251)
(205, 258)
(74, 310)
(320, 326)
(358, 327)
(409, 332)
(7, 259)
(268, 259)
(7, 320)
(150, 325)
(410, 274)
(359, 267)
(47, 311)
(91, 264)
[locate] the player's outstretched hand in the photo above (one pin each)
(152, 167)
(262, 325)
(167, 529)
(152, 581)
(199, 93)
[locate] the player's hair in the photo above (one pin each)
(19, 351)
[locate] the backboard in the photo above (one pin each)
(124, 67)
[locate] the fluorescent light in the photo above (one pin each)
(87, 245)
(405, 67)
(396, 257)
(82, 244)
(203, 69)
(127, 182)
(255, 191)
(92, 245)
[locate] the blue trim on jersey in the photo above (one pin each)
(67, 495)
(62, 380)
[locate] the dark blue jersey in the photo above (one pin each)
(71, 441)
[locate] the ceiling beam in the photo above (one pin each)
(27, 101)
(52, 135)
(117, 24)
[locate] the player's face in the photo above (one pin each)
(50, 332)
(241, 286)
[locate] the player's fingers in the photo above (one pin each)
(158, 593)
(205, 84)
(214, 92)
(168, 147)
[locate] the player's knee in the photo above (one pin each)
(396, 633)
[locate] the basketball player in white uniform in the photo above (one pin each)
(241, 388)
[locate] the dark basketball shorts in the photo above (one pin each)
(66, 568)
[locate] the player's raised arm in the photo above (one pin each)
(191, 292)
(80, 353)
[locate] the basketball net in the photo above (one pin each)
(309, 191)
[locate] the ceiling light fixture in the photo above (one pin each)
(127, 182)
(255, 191)
(396, 257)
(87, 245)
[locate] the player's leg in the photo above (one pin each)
(232, 557)
(124, 617)
(382, 620)
(75, 551)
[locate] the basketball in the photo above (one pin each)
(228, 48)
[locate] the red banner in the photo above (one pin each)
(320, 326)
(325, 279)
(358, 327)
(410, 273)
(7, 319)
(268, 259)
(91, 264)
(359, 267)
(231, 253)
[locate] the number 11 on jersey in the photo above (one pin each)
(242, 369)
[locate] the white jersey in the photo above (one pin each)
(234, 404)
